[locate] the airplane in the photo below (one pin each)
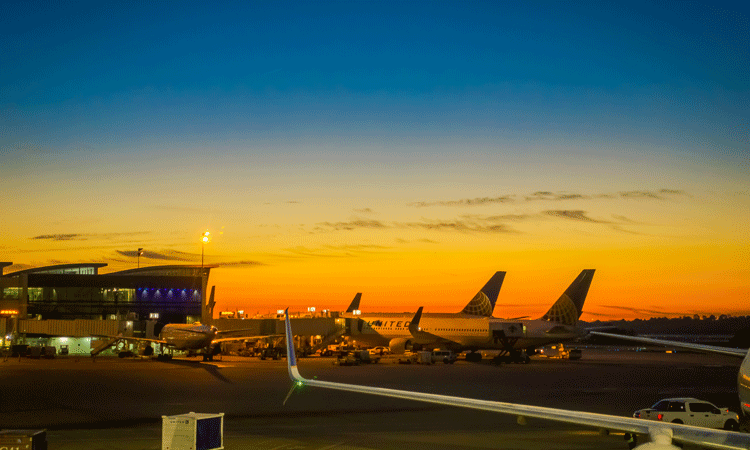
(743, 378)
(178, 336)
(516, 339)
(661, 434)
(391, 329)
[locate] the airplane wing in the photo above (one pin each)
(661, 434)
(704, 348)
(245, 338)
(240, 330)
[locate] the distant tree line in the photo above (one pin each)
(736, 328)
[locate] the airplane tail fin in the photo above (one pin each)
(354, 305)
(568, 308)
(484, 302)
(211, 304)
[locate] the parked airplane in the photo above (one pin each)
(392, 329)
(743, 378)
(662, 435)
(516, 339)
(175, 336)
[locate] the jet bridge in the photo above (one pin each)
(507, 333)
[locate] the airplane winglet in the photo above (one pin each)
(291, 357)
(414, 324)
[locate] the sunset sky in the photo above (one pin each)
(406, 150)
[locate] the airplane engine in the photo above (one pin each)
(400, 345)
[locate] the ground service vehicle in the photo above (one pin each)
(446, 356)
(366, 357)
(380, 351)
(346, 359)
(690, 411)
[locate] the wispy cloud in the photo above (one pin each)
(466, 201)
(640, 194)
(61, 237)
(506, 217)
(660, 194)
(352, 225)
(546, 195)
(169, 255)
(423, 240)
(577, 215)
(87, 236)
(462, 226)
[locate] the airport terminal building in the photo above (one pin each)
(75, 301)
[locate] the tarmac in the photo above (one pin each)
(112, 403)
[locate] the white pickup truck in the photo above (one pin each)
(690, 411)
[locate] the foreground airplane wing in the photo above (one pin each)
(661, 434)
(704, 348)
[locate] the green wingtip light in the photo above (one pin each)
(299, 384)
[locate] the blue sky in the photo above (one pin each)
(151, 72)
(307, 131)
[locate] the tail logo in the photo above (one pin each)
(563, 312)
(479, 305)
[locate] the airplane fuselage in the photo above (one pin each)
(460, 332)
(186, 336)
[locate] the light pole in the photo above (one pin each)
(204, 241)
(140, 252)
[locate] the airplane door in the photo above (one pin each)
(506, 333)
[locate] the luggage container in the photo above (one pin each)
(23, 439)
(424, 357)
(192, 431)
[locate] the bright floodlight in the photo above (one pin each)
(205, 239)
